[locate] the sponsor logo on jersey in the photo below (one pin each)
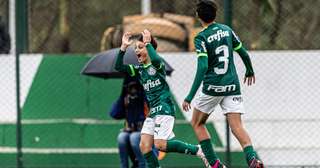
(237, 99)
(151, 71)
(218, 36)
(151, 84)
(221, 89)
(156, 109)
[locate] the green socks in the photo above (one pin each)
(181, 147)
(172, 146)
(207, 149)
(250, 153)
(152, 160)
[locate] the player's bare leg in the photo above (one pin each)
(161, 144)
(198, 123)
(238, 130)
(242, 136)
(146, 144)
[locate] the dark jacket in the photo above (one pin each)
(131, 105)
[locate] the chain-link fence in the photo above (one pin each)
(4, 12)
(68, 26)
(277, 25)
(4, 26)
(65, 115)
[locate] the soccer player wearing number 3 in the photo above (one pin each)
(158, 127)
(214, 47)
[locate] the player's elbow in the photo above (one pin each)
(243, 52)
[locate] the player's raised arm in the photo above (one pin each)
(237, 46)
(202, 68)
(119, 62)
(155, 59)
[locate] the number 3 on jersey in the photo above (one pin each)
(224, 58)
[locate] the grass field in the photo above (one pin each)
(86, 145)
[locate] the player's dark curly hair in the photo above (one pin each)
(207, 10)
(153, 41)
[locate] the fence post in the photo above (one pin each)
(145, 7)
(228, 21)
(21, 27)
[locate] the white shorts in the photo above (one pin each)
(161, 127)
(229, 104)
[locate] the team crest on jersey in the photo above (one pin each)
(151, 71)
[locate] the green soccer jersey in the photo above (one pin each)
(214, 46)
(217, 42)
(153, 79)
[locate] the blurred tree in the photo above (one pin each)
(4, 12)
(89, 20)
(255, 25)
(43, 18)
(64, 25)
(259, 10)
(311, 37)
(277, 23)
(5, 40)
(76, 26)
(163, 6)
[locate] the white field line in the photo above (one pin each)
(68, 150)
(110, 150)
(73, 150)
(59, 150)
(77, 121)
(111, 122)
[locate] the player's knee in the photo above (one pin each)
(196, 124)
(200, 120)
(237, 129)
(145, 147)
(161, 145)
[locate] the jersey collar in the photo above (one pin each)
(146, 65)
(209, 25)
